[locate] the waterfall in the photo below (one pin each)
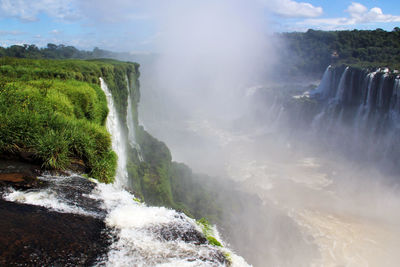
(131, 126)
(360, 114)
(395, 103)
(380, 100)
(324, 88)
(118, 145)
(370, 88)
(139, 235)
(342, 85)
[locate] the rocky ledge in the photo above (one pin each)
(36, 236)
(18, 174)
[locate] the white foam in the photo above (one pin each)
(45, 198)
(118, 145)
(138, 244)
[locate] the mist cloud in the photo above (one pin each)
(211, 49)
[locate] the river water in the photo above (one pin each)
(348, 210)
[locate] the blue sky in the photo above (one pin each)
(132, 25)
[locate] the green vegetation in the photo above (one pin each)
(150, 179)
(311, 52)
(53, 51)
(55, 111)
(208, 232)
(161, 182)
(67, 93)
(201, 195)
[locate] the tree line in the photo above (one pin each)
(53, 51)
(312, 51)
(303, 53)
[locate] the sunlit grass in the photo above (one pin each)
(56, 111)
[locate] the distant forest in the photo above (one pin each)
(53, 51)
(306, 53)
(312, 51)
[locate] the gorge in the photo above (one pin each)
(315, 157)
(304, 176)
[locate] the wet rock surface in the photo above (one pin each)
(172, 232)
(189, 234)
(35, 236)
(66, 226)
(75, 190)
(18, 174)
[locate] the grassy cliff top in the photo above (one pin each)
(55, 111)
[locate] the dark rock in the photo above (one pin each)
(75, 190)
(18, 174)
(78, 166)
(27, 156)
(34, 236)
(188, 234)
(172, 232)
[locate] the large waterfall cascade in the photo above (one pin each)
(360, 108)
(142, 235)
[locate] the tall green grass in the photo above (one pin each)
(56, 111)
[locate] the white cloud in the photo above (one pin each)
(356, 10)
(28, 10)
(358, 14)
(293, 9)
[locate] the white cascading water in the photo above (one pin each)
(374, 122)
(395, 104)
(131, 127)
(364, 108)
(369, 88)
(327, 116)
(137, 244)
(349, 228)
(342, 85)
(118, 145)
(324, 87)
(143, 236)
